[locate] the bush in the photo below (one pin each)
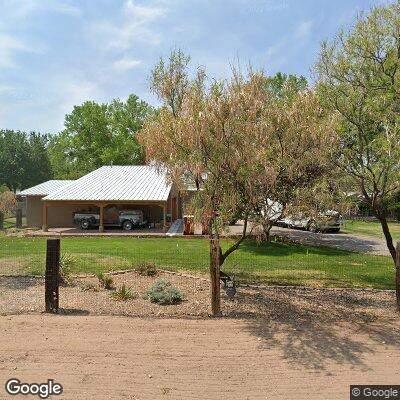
(105, 281)
(89, 287)
(67, 262)
(146, 269)
(162, 292)
(122, 294)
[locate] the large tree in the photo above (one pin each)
(97, 135)
(23, 159)
(234, 141)
(359, 79)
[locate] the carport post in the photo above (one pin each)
(164, 218)
(101, 223)
(44, 216)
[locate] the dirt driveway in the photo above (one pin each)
(105, 357)
(343, 241)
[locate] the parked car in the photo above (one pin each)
(125, 219)
(323, 222)
(327, 221)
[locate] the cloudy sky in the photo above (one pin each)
(57, 54)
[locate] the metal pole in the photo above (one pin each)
(398, 275)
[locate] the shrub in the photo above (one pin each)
(67, 262)
(105, 281)
(122, 294)
(162, 292)
(89, 287)
(146, 269)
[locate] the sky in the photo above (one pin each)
(55, 54)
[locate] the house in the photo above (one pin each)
(52, 204)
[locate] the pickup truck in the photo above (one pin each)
(125, 219)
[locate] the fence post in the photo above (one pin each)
(398, 275)
(52, 276)
(215, 276)
(18, 219)
(1, 221)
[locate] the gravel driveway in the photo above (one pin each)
(343, 241)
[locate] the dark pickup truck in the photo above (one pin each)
(125, 219)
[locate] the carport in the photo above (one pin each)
(126, 187)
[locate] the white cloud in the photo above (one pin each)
(23, 9)
(138, 25)
(303, 29)
(9, 46)
(125, 64)
(142, 14)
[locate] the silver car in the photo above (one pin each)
(327, 221)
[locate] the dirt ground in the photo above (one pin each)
(273, 343)
(153, 358)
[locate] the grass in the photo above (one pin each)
(371, 228)
(9, 223)
(272, 263)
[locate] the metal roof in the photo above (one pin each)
(117, 183)
(45, 188)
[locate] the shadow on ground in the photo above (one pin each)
(313, 328)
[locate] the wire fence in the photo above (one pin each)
(124, 275)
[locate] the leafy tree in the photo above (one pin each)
(97, 135)
(8, 202)
(359, 79)
(23, 159)
(234, 140)
(283, 86)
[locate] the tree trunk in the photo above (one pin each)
(215, 250)
(267, 231)
(398, 276)
(388, 236)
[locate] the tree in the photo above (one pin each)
(97, 135)
(359, 79)
(8, 203)
(23, 159)
(234, 141)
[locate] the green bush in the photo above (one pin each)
(89, 287)
(122, 294)
(67, 262)
(105, 281)
(162, 292)
(146, 269)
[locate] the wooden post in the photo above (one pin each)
(44, 216)
(101, 222)
(398, 275)
(52, 277)
(215, 277)
(18, 219)
(1, 221)
(164, 218)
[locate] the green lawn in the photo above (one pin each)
(10, 222)
(273, 263)
(371, 228)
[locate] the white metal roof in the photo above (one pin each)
(45, 188)
(117, 183)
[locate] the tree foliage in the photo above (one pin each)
(23, 159)
(359, 79)
(236, 141)
(97, 135)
